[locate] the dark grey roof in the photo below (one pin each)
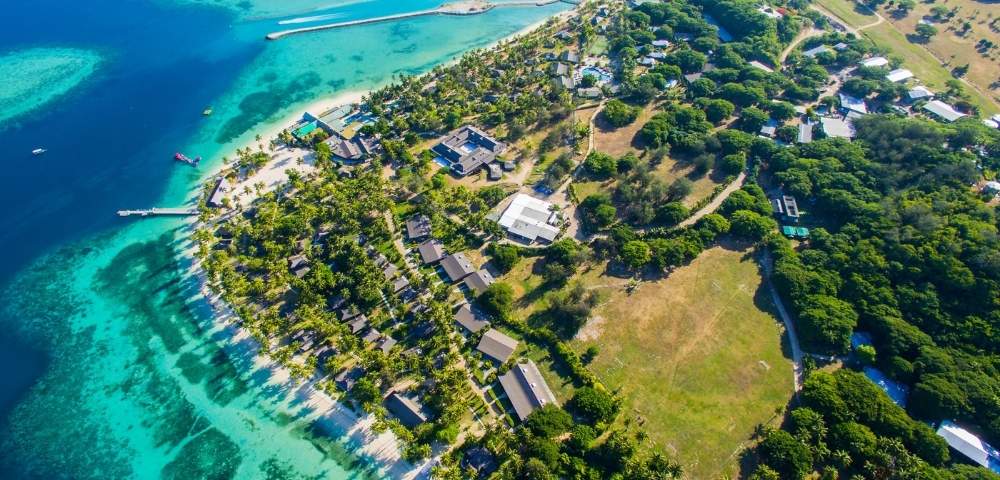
(497, 345)
(358, 324)
(372, 335)
(471, 319)
(480, 460)
(479, 280)
(526, 389)
(457, 267)
(409, 412)
(571, 57)
(390, 271)
(431, 251)
(400, 284)
(418, 226)
(387, 343)
(346, 379)
(468, 148)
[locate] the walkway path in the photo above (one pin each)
(793, 339)
(802, 36)
(717, 201)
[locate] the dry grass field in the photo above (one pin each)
(698, 359)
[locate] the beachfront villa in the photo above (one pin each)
(467, 149)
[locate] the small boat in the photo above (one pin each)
(207, 111)
(38, 151)
(180, 157)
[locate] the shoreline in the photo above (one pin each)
(384, 450)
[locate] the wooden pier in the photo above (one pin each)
(152, 212)
(459, 8)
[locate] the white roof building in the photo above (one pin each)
(661, 43)
(812, 52)
(852, 103)
(943, 110)
(836, 127)
(898, 75)
(875, 62)
(969, 445)
(530, 218)
(919, 92)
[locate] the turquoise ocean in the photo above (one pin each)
(107, 368)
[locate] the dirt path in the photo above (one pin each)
(716, 202)
(793, 339)
(803, 35)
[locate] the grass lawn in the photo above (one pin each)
(848, 12)
(696, 359)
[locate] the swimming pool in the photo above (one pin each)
(603, 76)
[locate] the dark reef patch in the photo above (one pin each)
(260, 106)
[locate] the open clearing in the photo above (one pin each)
(696, 359)
(917, 58)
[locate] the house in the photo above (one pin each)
(805, 133)
(899, 75)
(389, 271)
(919, 92)
(399, 284)
(770, 128)
(564, 35)
(480, 460)
(691, 77)
(479, 281)
(836, 127)
(661, 43)
(409, 412)
(969, 445)
(559, 69)
(526, 389)
(570, 57)
(874, 62)
(496, 345)
(791, 207)
(345, 150)
(761, 66)
(457, 267)
(812, 52)
(418, 226)
(468, 148)
(566, 82)
(853, 104)
(943, 110)
(530, 218)
(346, 379)
(992, 188)
(647, 61)
(298, 265)
(431, 251)
(471, 319)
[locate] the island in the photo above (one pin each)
(646, 240)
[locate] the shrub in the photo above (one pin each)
(619, 113)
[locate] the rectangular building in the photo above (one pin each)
(526, 389)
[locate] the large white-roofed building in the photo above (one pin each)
(968, 444)
(530, 218)
(943, 110)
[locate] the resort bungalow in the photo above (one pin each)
(468, 148)
(346, 379)
(399, 284)
(358, 324)
(372, 336)
(661, 43)
(566, 82)
(530, 218)
(497, 346)
(386, 344)
(943, 110)
(479, 281)
(471, 319)
(418, 226)
(570, 57)
(457, 267)
(899, 75)
(969, 445)
(560, 69)
(526, 389)
(431, 251)
(409, 412)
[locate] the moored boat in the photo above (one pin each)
(38, 151)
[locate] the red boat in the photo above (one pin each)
(180, 157)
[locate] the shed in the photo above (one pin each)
(496, 345)
(805, 133)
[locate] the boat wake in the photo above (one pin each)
(314, 18)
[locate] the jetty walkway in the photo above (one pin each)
(472, 7)
(158, 212)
